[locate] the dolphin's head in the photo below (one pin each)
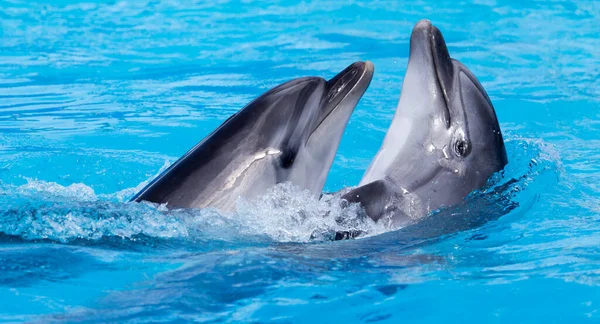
(445, 140)
(289, 134)
(308, 164)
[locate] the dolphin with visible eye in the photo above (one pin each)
(289, 134)
(443, 143)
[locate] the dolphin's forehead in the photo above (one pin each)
(284, 116)
(471, 108)
(481, 125)
(461, 68)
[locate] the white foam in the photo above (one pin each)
(78, 191)
(286, 213)
(48, 210)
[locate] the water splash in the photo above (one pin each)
(289, 214)
(41, 210)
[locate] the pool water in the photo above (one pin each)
(97, 98)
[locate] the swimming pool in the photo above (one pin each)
(96, 98)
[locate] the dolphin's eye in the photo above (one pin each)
(287, 158)
(462, 148)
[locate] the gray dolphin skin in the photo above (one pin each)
(289, 134)
(443, 143)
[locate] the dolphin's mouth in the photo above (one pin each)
(345, 89)
(436, 64)
(442, 65)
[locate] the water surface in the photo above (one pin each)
(96, 98)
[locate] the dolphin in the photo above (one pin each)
(444, 140)
(289, 134)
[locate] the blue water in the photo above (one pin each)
(97, 98)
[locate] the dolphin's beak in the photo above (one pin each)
(428, 48)
(345, 90)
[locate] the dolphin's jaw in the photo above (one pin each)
(344, 91)
(439, 55)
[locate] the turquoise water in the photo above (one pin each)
(97, 98)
